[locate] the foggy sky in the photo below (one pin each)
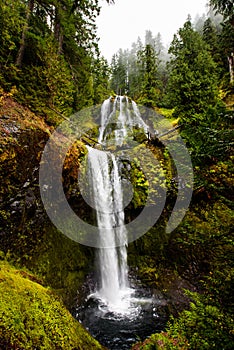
(119, 25)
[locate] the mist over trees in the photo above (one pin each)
(140, 71)
(148, 62)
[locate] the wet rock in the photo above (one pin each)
(25, 230)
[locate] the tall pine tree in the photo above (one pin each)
(193, 83)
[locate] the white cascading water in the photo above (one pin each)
(105, 113)
(117, 118)
(107, 199)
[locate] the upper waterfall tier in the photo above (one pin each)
(118, 117)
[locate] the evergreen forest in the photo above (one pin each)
(51, 67)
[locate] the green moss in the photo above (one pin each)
(32, 317)
(60, 262)
(147, 175)
(168, 113)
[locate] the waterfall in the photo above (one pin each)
(104, 178)
(137, 117)
(118, 118)
(105, 112)
(118, 310)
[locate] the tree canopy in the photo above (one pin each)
(48, 51)
(225, 7)
(193, 84)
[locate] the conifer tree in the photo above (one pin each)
(226, 8)
(193, 83)
(212, 37)
(150, 84)
(119, 80)
(47, 50)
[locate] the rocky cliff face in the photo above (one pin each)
(26, 234)
(22, 137)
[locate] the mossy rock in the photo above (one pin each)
(26, 233)
(32, 317)
(60, 262)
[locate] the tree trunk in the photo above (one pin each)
(231, 67)
(20, 55)
(58, 32)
